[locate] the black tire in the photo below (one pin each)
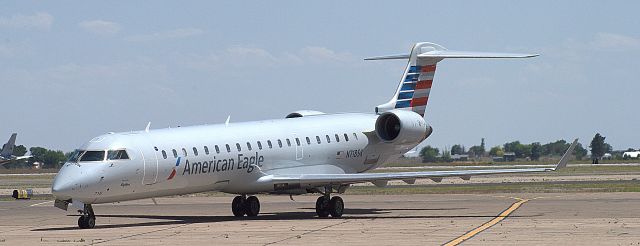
(91, 222)
(82, 222)
(86, 222)
(252, 206)
(322, 207)
(237, 206)
(336, 207)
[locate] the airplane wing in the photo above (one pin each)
(22, 157)
(316, 180)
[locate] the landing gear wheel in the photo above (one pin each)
(87, 221)
(237, 206)
(252, 206)
(336, 207)
(322, 207)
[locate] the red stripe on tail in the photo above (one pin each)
(424, 84)
(428, 68)
(419, 101)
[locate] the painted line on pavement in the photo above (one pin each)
(488, 224)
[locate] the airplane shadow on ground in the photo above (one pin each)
(351, 214)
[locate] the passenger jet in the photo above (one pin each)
(306, 152)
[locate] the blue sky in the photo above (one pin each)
(72, 70)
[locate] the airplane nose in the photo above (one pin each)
(61, 187)
(64, 181)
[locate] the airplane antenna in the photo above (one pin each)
(226, 123)
(146, 129)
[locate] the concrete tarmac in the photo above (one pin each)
(433, 219)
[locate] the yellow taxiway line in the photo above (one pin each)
(489, 224)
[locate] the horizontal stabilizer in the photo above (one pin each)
(453, 54)
(389, 57)
(471, 54)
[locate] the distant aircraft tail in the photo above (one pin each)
(7, 149)
(415, 86)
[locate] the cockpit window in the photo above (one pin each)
(117, 155)
(93, 156)
(76, 154)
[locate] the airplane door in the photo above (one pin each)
(150, 160)
(299, 149)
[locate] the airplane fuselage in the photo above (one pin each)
(229, 158)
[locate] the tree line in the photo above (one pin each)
(48, 158)
(532, 151)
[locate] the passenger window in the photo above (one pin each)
(308, 141)
(175, 153)
(355, 135)
(206, 150)
(93, 156)
(337, 138)
(298, 141)
(248, 146)
(328, 139)
(259, 145)
(238, 147)
(184, 151)
(346, 137)
(318, 139)
(279, 143)
(217, 149)
(117, 155)
(195, 151)
(228, 148)
(288, 143)
(164, 154)
(269, 143)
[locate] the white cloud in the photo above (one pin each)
(244, 55)
(170, 34)
(40, 20)
(100, 27)
(316, 53)
(615, 41)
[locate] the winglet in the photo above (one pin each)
(565, 158)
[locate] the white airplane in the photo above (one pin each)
(307, 152)
(6, 154)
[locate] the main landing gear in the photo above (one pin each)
(326, 206)
(243, 205)
(88, 219)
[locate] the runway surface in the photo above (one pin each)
(504, 219)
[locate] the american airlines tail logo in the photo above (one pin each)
(173, 172)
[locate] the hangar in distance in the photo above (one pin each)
(306, 152)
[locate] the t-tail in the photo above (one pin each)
(7, 149)
(413, 91)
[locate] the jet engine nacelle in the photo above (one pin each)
(399, 126)
(302, 113)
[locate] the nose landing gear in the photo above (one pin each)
(88, 219)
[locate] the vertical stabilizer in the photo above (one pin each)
(7, 149)
(414, 89)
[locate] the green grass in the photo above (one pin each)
(557, 187)
(416, 162)
(603, 170)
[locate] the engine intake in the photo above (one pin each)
(399, 126)
(302, 113)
